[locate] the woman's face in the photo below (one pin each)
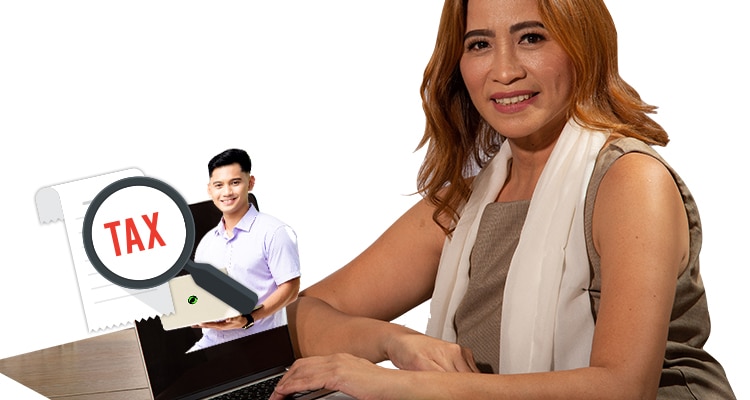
(518, 77)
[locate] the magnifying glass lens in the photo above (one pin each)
(138, 232)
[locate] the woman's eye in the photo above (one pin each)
(532, 38)
(477, 45)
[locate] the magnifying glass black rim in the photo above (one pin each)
(88, 243)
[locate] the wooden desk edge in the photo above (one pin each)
(108, 366)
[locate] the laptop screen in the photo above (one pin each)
(175, 374)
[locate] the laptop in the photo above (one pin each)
(253, 361)
(252, 364)
(193, 305)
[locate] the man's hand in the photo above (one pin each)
(230, 323)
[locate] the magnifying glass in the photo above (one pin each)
(138, 233)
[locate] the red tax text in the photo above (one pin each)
(132, 238)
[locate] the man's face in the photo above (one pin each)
(228, 187)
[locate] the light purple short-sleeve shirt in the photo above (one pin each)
(261, 254)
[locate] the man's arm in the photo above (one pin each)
(285, 294)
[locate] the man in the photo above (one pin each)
(257, 250)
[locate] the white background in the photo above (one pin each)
(325, 97)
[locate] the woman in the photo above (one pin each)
(568, 267)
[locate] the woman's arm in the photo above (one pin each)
(641, 233)
(396, 273)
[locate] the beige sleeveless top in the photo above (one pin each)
(688, 372)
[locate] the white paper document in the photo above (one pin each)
(105, 304)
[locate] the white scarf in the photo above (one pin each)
(547, 322)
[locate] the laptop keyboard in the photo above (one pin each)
(258, 391)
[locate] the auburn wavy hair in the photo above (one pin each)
(459, 141)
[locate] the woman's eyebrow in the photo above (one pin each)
(479, 32)
(525, 25)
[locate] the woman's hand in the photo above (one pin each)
(419, 352)
(362, 379)
(354, 376)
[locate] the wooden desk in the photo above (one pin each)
(103, 367)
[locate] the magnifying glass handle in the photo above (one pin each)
(221, 285)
